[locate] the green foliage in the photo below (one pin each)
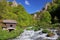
(52, 7)
(36, 28)
(29, 28)
(46, 17)
(43, 25)
(5, 35)
(56, 1)
(55, 26)
(55, 20)
(14, 13)
(45, 20)
(45, 31)
(24, 19)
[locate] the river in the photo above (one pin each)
(34, 35)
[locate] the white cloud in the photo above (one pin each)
(27, 2)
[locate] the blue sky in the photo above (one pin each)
(32, 6)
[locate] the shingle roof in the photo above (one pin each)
(9, 21)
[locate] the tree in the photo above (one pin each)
(45, 17)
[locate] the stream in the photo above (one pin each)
(34, 35)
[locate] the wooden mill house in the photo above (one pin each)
(9, 25)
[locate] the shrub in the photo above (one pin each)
(45, 17)
(45, 31)
(36, 28)
(5, 35)
(43, 24)
(29, 29)
(55, 26)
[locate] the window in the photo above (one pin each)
(11, 25)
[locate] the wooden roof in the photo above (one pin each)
(9, 21)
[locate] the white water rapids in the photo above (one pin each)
(34, 35)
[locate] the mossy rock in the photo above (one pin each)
(50, 34)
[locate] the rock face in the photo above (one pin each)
(14, 4)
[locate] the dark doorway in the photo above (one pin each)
(11, 30)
